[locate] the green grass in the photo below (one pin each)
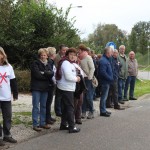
(22, 118)
(142, 87)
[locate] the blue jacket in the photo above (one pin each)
(105, 73)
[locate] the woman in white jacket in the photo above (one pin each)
(66, 82)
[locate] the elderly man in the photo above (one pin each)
(123, 73)
(105, 74)
(132, 73)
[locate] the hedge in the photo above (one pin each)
(23, 80)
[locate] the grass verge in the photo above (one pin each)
(142, 87)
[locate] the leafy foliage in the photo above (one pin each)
(105, 33)
(139, 40)
(27, 25)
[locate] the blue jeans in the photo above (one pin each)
(121, 85)
(39, 100)
(104, 95)
(130, 81)
(88, 97)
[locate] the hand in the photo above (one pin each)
(78, 79)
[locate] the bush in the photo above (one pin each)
(23, 80)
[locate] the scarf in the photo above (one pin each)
(58, 71)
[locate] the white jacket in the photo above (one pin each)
(69, 77)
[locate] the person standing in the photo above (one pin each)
(123, 73)
(66, 77)
(87, 66)
(106, 76)
(8, 83)
(51, 55)
(57, 102)
(41, 73)
(132, 74)
(114, 85)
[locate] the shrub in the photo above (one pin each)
(23, 80)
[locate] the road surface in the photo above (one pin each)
(127, 129)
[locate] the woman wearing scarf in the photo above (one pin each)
(41, 74)
(66, 77)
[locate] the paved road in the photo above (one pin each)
(144, 75)
(125, 130)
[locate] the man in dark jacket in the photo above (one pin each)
(106, 77)
(113, 91)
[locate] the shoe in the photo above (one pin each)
(2, 142)
(37, 128)
(119, 108)
(105, 114)
(78, 122)
(83, 115)
(53, 119)
(9, 139)
(108, 112)
(125, 99)
(74, 130)
(46, 126)
(109, 106)
(50, 122)
(90, 115)
(132, 98)
(63, 127)
(121, 102)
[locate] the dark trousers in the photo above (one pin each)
(67, 108)
(57, 104)
(113, 94)
(48, 103)
(7, 115)
(78, 107)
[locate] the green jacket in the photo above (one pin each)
(123, 72)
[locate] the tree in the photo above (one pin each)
(105, 33)
(30, 25)
(140, 37)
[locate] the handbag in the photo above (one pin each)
(94, 82)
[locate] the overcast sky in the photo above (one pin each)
(124, 13)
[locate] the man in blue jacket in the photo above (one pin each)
(106, 77)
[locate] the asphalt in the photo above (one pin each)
(127, 129)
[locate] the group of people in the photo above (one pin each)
(70, 75)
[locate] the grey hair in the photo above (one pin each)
(122, 46)
(107, 49)
(51, 50)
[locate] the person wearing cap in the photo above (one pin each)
(87, 66)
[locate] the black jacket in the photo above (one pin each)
(41, 76)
